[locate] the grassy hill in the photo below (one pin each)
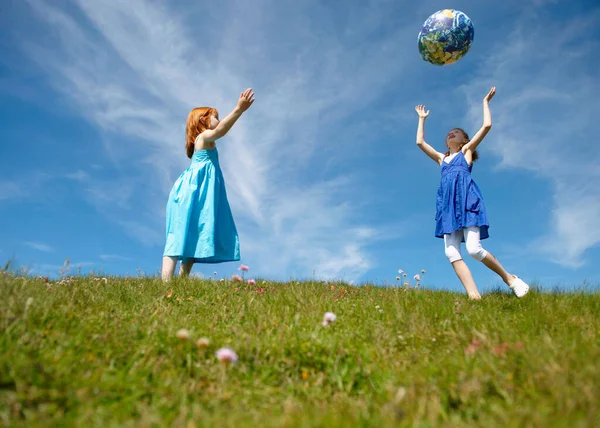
(105, 352)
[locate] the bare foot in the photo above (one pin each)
(474, 296)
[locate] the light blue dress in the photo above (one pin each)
(459, 202)
(200, 226)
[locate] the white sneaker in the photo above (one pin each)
(519, 287)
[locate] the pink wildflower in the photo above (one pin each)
(473, 347)
(227, 356)
(236, 277)
(500, 349)
(244, 268)
(328, 318)
(251, 282)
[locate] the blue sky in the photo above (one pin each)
(323, 174)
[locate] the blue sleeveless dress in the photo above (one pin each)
(459, 203)
(200, 226)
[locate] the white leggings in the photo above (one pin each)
(472, 241)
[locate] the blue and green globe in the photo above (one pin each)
(446, 37)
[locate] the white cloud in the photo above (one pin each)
(78, 175)
(26, 186)
(540, 3)
(148, 236)
(546, 122)
(54, 269)
(9, 190)
(40, 246)
(108, 195)
(114, 258)
(142, 66)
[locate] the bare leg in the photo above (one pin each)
(517, 285)
(492, 262)
(478, 253)
(452, 244)
(185, 268)
(168, 268)
(466, 278)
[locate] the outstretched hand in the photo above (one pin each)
(420, 109)
(490, 94)
(246, 99)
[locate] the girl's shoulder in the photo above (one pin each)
(200, 144)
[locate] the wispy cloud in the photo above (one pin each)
(9, 190)
(40, 246)
(541, 122)
(24, 187)
(55, 269)
(540, 3)
(139, 67)
(114, 258)
(109, 196)
(149, 236)
(78, 175)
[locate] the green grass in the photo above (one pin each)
(90, 353)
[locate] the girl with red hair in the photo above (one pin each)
(200, 225)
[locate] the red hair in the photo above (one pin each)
(198, 121)
(475, 154)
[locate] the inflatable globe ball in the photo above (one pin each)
(446, 37)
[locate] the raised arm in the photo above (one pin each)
(487, 123)
(244, 102)
(427, 149)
